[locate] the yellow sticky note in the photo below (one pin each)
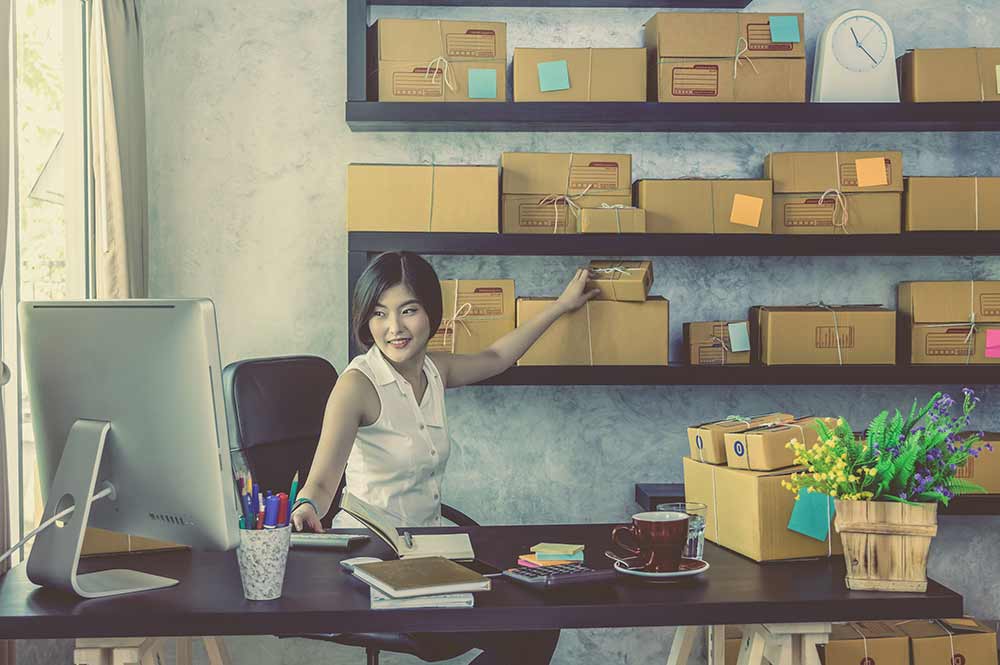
(746, 210)
(871, 172)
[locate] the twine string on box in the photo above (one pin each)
(618, 213)
(440, 65)
(970, 337)
(951, 640)
(742, 48)
(836, 327)
(864, 640)
(839, 200)
(458, 316)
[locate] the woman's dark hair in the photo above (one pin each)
(384, 272)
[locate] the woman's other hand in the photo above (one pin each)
(575, 294)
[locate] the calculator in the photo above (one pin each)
(559, 577)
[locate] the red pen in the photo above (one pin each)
(282, 509)
(260, 515)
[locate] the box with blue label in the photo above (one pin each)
(707, 442)
(748, 512)
(765, 448)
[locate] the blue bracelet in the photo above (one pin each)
(301, 501)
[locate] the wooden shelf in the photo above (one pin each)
(593, 4)
(366, 116)
(650, 495)
(967, 243)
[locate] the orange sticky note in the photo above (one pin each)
(746, 210)
(871, 172)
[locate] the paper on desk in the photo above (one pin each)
(556, 548)
(455, 546)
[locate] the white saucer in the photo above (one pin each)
(689, 567)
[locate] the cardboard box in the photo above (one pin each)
(602, 332)
(809, 335)
(734, 638)
(951, 344)
(817, 172)
(707, 343)
(985, 469)
(949, 302)
(963, 641)
(813, 214)
(98, 542)
(477, 312)
(701, 206)
(414, 60)
(952, 204)
(421, 198)
(763, 448)
(748, 512)
(627, 281)
(692, 58)
(544, 192)
(613, 219)
(950, 75)
(865, 643)
(707, 441)
(595, 74)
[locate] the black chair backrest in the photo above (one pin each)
(274, 409)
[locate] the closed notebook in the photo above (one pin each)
(380, 601)
(406, 578)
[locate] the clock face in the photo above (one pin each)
(860, 44)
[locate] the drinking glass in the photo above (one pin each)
(695, 547)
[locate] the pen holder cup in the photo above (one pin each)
(262, 555)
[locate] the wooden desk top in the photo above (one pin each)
(319, 596)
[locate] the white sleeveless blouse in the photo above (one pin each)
(397, 462)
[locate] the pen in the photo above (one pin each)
(258, 499)
(271, 512)
(260, 511)
(247, 508)
(294, 492)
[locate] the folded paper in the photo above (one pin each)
(812, 514)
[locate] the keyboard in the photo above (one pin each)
(332, 541)
(558, 577)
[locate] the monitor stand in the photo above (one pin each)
(55, 554)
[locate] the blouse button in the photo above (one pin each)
(434, 452)
(435, 495)
(421, 426)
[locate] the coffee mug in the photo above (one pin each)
(660, 537)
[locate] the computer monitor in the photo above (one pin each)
(127, 394)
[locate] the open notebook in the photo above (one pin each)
(455, 546)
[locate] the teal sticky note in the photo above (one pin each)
(482, 84)
(560, 557)
(785, 29)
(812, 514)
(739, 337)
(553, 76)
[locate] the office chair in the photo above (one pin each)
(274, 409)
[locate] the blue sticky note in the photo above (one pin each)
(541, 556)
(785, 29)
(739, 337)
(812, 514)
(482, 84)
(553, 76)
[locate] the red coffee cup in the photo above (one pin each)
(660, 538)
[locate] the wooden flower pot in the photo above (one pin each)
(886, 543)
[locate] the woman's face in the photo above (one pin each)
(400, 325)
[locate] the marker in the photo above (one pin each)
(282, 508)
(247, 505)
(271, 512)
(260, 511)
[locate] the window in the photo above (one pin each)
(46, 249)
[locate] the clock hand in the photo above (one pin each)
(856, 40)
(867, 53)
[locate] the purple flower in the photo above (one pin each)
(974, 452)
(953, 467)
(989, 447)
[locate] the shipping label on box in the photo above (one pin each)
(962, 641)
(865, 643)
(815, 214)
(831, 335)
(619, 218)
(705, 206)
(765, 448)
(711, 80)
(477, 312)
(707, 442)
(416, 81)
(950, 75)
(602, 332)
(817, 172)
(748, 512)
(396, 197)
(952, 204)
(950, 302)
(985, 469)
(710, 343)
(627, 281)
(593, 74)
(953, 343)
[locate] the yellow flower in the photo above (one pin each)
(833, 492)
(872, 471)
(853, 478)
(810, 490)
(840, 422)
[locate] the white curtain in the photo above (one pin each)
(118, 140)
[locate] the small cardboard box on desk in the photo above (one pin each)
(748, 512)
(963, 641)
(477, 312)
(865, 643)
(579, 74)
(765, 448)
(708, 442)
(950, 322)
(100, 541)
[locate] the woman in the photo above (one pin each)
(385, 424)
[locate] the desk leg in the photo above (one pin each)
(215, 647)
(90, 655)
(184, 651)
(715, 645)
(680, 649)
(752, 646)
(804, 638)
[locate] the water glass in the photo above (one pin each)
(695, 547)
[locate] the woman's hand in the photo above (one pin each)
(304, 518)
(574, 296)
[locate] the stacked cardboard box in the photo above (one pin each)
(602, 332)
(865, 643)
(544, 192)
(764, 448)
(477, 312)
(613, 219)
(626, 281)
(952, 204)
(692, 58)
(705, 206)
(963, 641)
(748, 512)
(823, 335)
(707, 440)
(580, 75)
(712, 342)
(871, 184)
(392, 197)
(414, 60)
(951, 75)
(950, 322)
(985, 469)
(98, 542)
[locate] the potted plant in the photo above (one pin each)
(886, 486)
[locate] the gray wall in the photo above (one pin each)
(247, 157)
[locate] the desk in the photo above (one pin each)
(319, 597)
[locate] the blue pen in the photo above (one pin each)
(255, 500)
(248, 509)
(271, 512)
